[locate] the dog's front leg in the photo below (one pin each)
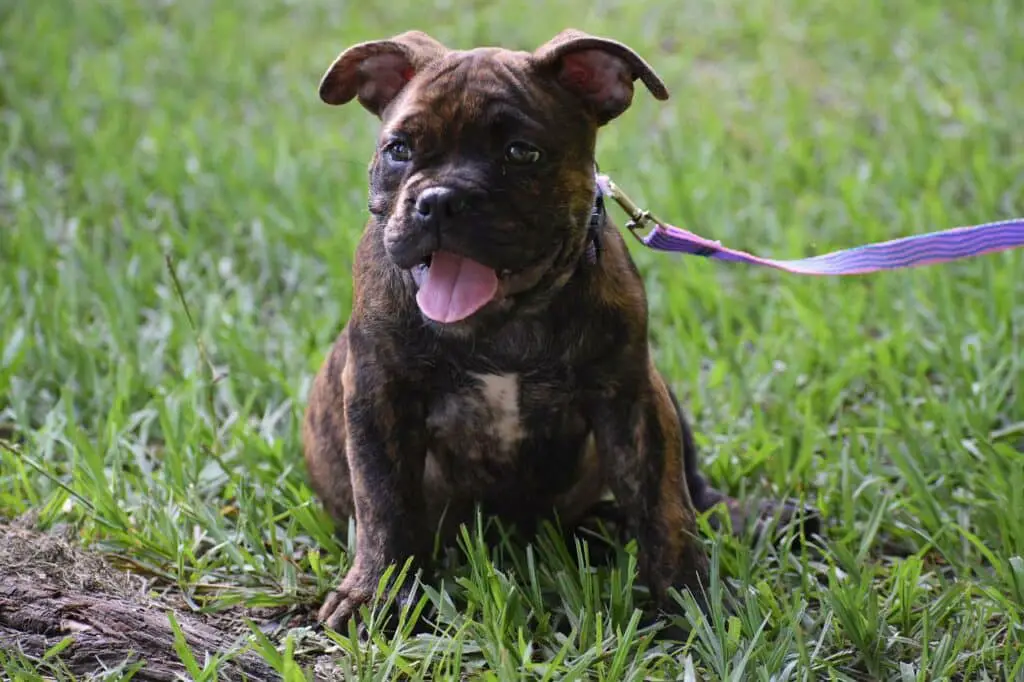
(640, 443)
(386, 451)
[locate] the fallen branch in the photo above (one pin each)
(50, 591)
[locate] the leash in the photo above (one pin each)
(922, 249)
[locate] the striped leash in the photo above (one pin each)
(907, 252)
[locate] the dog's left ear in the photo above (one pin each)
(599, 70)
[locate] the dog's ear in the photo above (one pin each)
(599, 70)
(377, 70)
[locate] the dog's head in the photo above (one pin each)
(482, 180)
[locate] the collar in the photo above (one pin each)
(597, 215)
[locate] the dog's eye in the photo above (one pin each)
(398, 151)
(522, 153)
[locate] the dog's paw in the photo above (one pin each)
(769, 515)
(775, 517)
(357, 589)
(806, 520)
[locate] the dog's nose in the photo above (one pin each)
(435, 204)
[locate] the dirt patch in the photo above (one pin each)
(51, 559)
(51, 589)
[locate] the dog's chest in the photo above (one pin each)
(483, 416)
(505, 426)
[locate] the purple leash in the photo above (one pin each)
(907, 252)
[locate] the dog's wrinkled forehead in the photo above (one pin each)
(597, 73)
(481, 86)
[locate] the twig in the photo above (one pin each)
(214, 376)
(24, 457)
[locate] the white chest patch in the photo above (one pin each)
(500, 393)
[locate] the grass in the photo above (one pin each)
(133, 133)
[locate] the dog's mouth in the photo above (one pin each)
(453, 287)
(420, 270)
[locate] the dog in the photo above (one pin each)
(496, 355)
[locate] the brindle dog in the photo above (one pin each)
(497, 350)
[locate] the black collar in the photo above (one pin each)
(597, 214)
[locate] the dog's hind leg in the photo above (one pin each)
(323, 438)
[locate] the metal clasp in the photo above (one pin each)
(638, 218)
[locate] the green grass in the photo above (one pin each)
(131, 132)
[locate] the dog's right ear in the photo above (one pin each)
(377, 70)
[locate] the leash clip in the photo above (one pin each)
(638, 218)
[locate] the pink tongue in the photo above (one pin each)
(455, 287)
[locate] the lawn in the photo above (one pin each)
(178, 213)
